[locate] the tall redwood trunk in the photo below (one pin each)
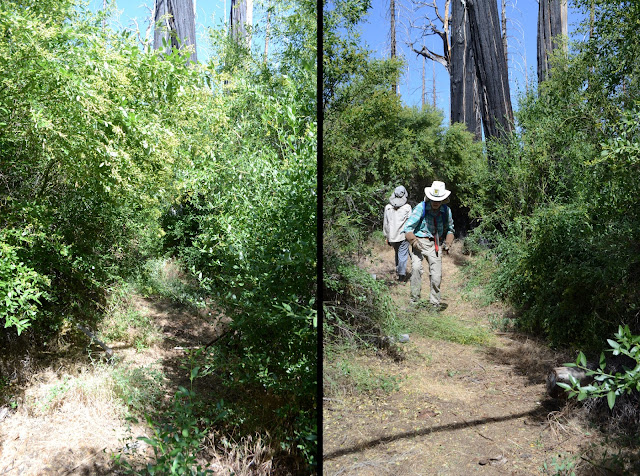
(181, 24)
(463, 85)
(491, 68)
(241, 17)
(392, 15)
(552, 21)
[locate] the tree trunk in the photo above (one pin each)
(503, 17)
(424, 79)
(266, 35)
(463, 85)
(181, 24)
(562, 375)
(241, 17)
(435, 93)
(491, 68)
(552, 21)
(392, 15)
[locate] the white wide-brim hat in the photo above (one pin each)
(437, 192)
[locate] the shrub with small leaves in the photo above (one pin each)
(607, 383)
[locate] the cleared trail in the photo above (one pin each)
(458, 409)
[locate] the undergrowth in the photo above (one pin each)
(447, 328)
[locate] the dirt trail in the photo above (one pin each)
(67, 422)
(460, 409)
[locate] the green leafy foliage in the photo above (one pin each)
(177, 442)
(245, 224)
(88, 141)
(565, 186)
(113, 158)
(20, 290)
(357, 307)
(605, 383)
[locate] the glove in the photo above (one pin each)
(448, 242)
(411, 238)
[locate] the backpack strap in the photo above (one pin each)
(445, 217)
(443, 209)
(424, 213)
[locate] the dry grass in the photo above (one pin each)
(248, 457)
(62, 422)
(70, 411)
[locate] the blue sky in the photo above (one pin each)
(521, 31)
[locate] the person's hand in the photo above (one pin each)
(446, 246)
(411, 238)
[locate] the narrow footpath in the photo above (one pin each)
(459, 409)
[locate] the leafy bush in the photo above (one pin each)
(606, 383)
(177, 442)
(88, 143)
(20, 290)
(558, 205)
(140, 388)
(357, 307)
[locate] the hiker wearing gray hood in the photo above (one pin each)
(396, 213)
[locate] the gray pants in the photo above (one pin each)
(402, 254)
(426, 249)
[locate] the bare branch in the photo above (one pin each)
(427, 53)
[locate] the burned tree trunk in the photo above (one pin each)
(564, 375)
(241, 17)
(552, 22)
(464, 86)
(177, 28)
(392, 15)
(491, 68)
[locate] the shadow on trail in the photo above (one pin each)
(459, 259)
(539, 413)
(527, 358)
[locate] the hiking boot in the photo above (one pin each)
(438, 307)
(418, 303)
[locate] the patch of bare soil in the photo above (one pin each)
(67, 421)
(459, 409)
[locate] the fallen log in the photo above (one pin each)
(108, 350)
(562, 375)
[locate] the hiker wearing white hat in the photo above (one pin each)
(429, 222)
(396, 213)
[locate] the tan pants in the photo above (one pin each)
(427, 249)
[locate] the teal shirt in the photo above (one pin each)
(427, 228)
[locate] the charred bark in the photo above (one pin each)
(392, 15)
(241, 17)
(463, 86)
(552, 23)
(491, 68)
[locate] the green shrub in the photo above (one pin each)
(21, 289)
(357, 307)
(177, 441)
(140, 388)
(606, 383)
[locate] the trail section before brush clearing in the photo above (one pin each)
(456, 409)
(68, 421)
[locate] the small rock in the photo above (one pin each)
(403, 338)
(494, 461)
